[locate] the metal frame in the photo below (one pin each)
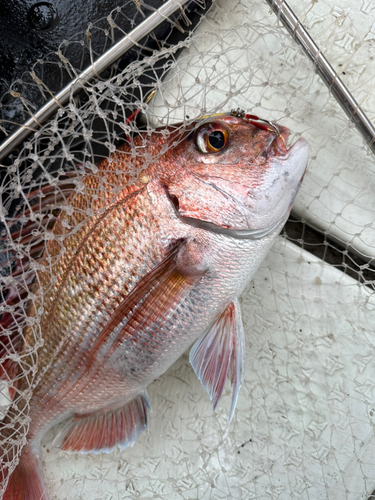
(91, 71)
(325, 71)
(286, 16)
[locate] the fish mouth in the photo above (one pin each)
(279, 145)
(298, 152)
(280, 142)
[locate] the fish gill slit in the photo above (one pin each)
(172, 198)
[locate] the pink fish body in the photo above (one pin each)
(158, 266)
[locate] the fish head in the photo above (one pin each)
(230, 173)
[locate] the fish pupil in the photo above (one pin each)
(217, 139)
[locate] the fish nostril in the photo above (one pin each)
(174, 200)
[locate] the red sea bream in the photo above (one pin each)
(156, 268)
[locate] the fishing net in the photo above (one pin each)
(304, 424)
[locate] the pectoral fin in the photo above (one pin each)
(102, 431)
(220, 354)
(151, 300)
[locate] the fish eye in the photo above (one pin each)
(217, 139)
(211, 138)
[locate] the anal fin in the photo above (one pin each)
(220, 354)
(102, 431)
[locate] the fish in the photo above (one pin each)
(157, 267)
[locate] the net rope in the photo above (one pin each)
(304, 425)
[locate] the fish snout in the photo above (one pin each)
(298, 154)
(282, 181)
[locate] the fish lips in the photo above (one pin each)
(289, 165)
(299, 154)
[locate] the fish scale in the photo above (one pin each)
(158, 266)
(111, 290)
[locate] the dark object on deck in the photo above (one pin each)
(32, 30)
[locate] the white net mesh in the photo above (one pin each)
(304, 425)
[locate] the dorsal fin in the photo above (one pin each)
(24, 233)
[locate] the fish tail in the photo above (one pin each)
(26, 482)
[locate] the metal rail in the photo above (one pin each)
(91, 71)
(325, 70)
